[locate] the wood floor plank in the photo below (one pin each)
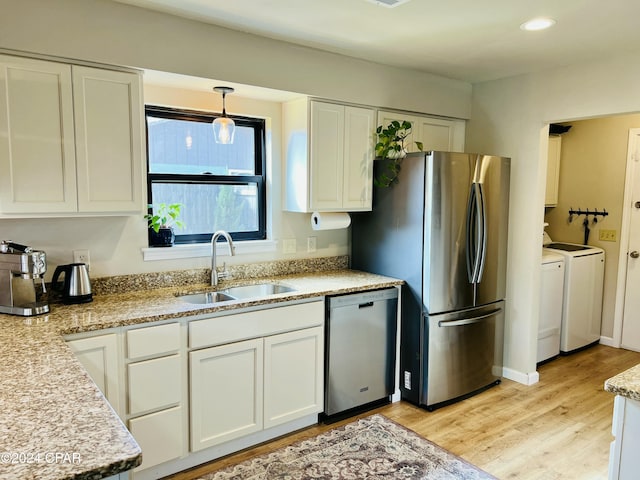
(559, 428)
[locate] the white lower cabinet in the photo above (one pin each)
(156, 396)
(244, 387)
(624, 462)
(195, 389)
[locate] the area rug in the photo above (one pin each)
(370, 448)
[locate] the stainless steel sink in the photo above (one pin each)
(257, 290)
(236, 293)
(206, 297)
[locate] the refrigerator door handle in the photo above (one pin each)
(468, 321)
(475, 234)
(482, 224)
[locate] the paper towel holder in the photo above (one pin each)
(330, 220)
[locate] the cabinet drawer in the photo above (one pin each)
(259, 323)
(160, 435)
(157, 340)
(154, 384)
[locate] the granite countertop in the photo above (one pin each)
(626, 384)
(55, 423)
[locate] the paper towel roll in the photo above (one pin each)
(330, 220)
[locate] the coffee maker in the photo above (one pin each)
(20, 268)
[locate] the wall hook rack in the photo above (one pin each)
(595, 213)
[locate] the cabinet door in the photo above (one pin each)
(327, 154)
(553, 171)
(358, 158)
(293, 375)
(37, 157)
(440, 134)
(226, 392)
(108, 113)
(99, 356)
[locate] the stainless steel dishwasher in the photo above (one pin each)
(361, 349)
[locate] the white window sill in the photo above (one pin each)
(193, 250)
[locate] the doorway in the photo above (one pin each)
(593, 165)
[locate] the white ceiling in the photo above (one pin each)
(471, 40)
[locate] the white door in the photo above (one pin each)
(631, 313)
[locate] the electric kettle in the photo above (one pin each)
(76, 287)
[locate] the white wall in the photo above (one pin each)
(114, 33)
(509, 117)
(107, 32)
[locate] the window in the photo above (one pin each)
(221, 187)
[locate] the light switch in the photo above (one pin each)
(608, 235)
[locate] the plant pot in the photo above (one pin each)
(164, 237)
(397, 154)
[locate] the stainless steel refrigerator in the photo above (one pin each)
(443, 229)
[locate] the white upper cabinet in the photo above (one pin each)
(443, 134)
(70, 139)
(329, 150)
(553, 171)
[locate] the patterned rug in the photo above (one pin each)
(371, 448)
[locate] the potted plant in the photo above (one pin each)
(161, 221)
(391, 147)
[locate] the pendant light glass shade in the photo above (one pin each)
(223, 127)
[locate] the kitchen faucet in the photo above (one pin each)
(215, 276)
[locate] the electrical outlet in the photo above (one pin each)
(311, 244)
(608, 235)
(82, 256)
(289, 245)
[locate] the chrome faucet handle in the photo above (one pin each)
(224, 273)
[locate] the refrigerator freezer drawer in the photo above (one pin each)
(361, 341)
(464, 353)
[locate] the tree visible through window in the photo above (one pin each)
(221, 187)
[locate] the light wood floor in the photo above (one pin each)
(559, 428)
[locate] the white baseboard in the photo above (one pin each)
(609, 342)
(521, 377)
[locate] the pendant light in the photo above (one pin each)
(223, 127)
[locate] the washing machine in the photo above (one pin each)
(551, 296)
(583, 287)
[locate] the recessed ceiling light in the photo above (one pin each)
(538, 24)
(388, 3)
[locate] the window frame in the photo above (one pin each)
(259, 177)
